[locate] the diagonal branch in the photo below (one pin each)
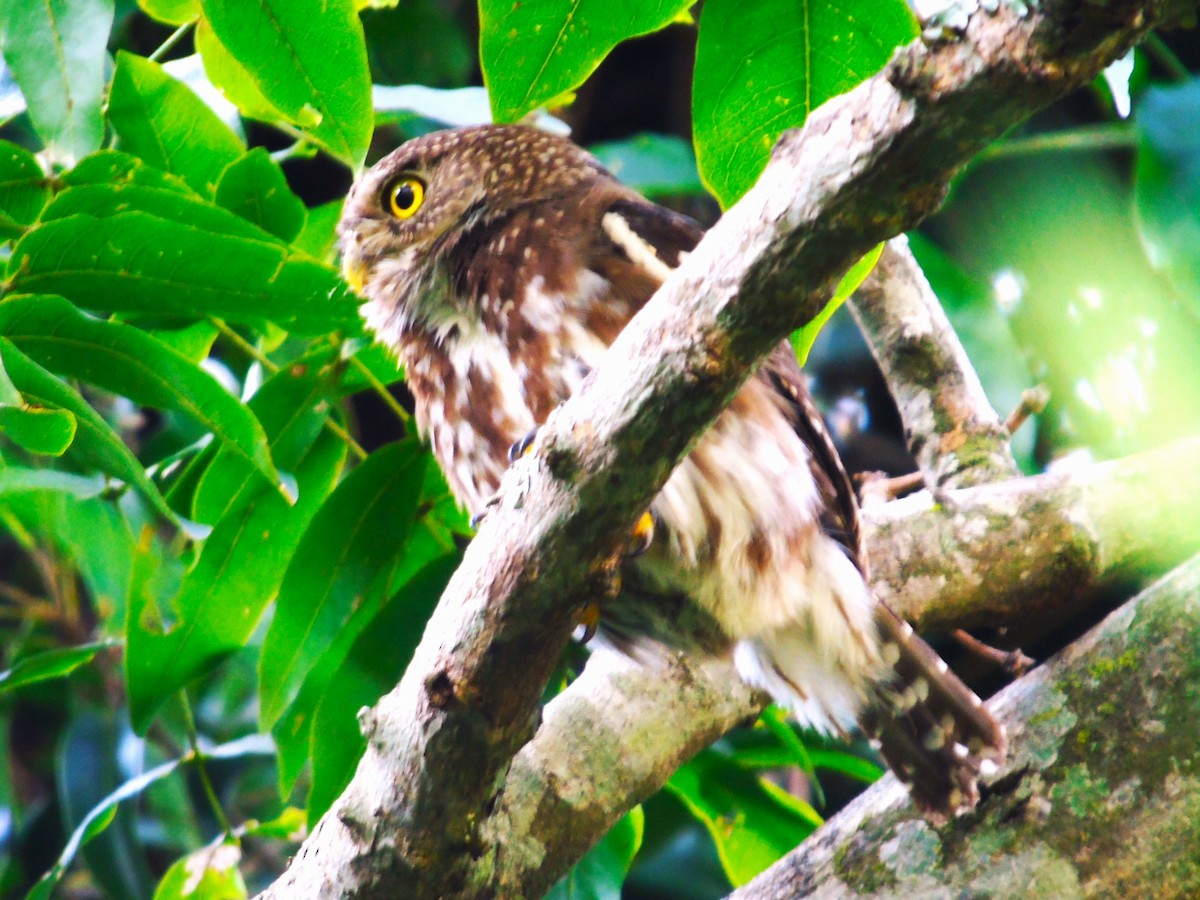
(865, 167)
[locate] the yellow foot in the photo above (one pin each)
(589, 621)
(642, 535)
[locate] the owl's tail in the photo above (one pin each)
(933, 731)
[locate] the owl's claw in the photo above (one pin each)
(521, 447)
(478, 518)
(588, 623)
(642, 535)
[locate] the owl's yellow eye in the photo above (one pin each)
(405, 196)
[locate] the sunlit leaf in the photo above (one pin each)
(49, 663)
(534, 52)
(173, 12)
(354, 539)
(161, 121)
(62, 89)
(317, 77)
(254, 187)
(24, 189)
(210, 873)
(762, 67)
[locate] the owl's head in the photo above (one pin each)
(410, 210)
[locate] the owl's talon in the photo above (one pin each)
(589, 622)
(478, 518)
(642, 535)
(521, 447)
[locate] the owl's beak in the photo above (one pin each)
(354, 270)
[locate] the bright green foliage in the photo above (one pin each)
(533, 52)
(24, 190)
(315, 77)
(255, 188)
(762, 68)
(159, 120)
(55, 50)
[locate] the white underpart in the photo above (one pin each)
(805, 620)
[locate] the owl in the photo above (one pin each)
(499, 263)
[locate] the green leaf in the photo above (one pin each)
(353, 541)
(752, 822)
(601, 872)
(48, 432)
(243, 560)
(210, 873)
(1167, 187)
(317, 77)
(56, 51)
(231, 77)
(50, 663)
(135, 248)
(255, 188)
(533, 52)
(161, 121)
(373, 666)
(173, 12)
(24, 190)
(654, 165)
(116, 167)
(320, 230)
(762, 67)
(802, 339)
(370, 366)
(95, 444)
(131, 363)
(102, 814)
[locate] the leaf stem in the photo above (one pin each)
(201, 768)
(1165, 57)
(381, 389)
(1089, 138)
(174, 38)
(261, 358)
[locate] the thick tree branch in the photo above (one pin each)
(1004, 551)
(950, 427)
(866, 167)
(1100, 796)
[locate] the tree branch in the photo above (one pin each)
(950, 427)
(616, 734)
(1100, 795)
(866, 166)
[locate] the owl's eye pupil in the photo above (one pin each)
(405, 196)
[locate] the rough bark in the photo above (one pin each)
(864, 168)
(1006, 551)
(951, 429)
(1100, 798)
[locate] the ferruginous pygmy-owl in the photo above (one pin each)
(499, 262)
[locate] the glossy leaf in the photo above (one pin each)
(48, 432)
(231, 77)
(762, 67)
(49, 663)
(802, 339)
(210, 873)
(161, 121)
(372, 667)
(243, 560)
(319, 232)
(62, 89)
(317, 77)
(752, 822)
(95, 444)
(136, 248)
(254, 187)
(601, 873)
(351, 542)
(532, 53)
(24, 189)
(130, 363)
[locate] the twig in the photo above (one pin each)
(1014, 662)
(1033, 403)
